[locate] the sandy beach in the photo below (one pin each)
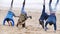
(32, 25)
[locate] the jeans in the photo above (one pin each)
(51, 20)
(9, 20)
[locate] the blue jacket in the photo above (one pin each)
(10, 14)
(44, 15)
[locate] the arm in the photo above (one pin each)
(14, 15)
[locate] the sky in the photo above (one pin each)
(30, 4)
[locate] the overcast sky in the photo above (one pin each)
(30, 4)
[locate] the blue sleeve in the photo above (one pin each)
(13, 13)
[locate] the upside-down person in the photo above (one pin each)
(23, 16)
(43, 16)
(9, 16)
(52, 17)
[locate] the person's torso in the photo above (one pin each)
(10, 14)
